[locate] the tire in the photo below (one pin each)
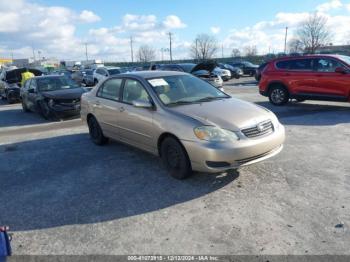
(44, 110)
(237, 76)
(95, 132)
(95, 82)
(175, 159)
(24, 107)
(278, 95)
(10, 98)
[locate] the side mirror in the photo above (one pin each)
(340, 70)
(142, 104)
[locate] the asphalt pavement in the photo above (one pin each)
(61, 194)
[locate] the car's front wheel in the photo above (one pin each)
(175, 158)
(278, 95)
(95, 132)
(45, 111)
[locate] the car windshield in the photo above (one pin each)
(55, 83)
(184, 89)
(113, 71)
(346, 59)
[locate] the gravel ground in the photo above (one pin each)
(60, 194)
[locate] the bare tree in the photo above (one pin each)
(313, 32)
(295, 46)
(235, 52)
(146, 54)
(203, 47)
(250, 50)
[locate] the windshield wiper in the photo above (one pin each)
(181, 102)
(210, 98)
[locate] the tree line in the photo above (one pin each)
(310, 35)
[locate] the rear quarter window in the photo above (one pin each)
(295, 64)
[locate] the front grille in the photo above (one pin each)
(249, 159)
(261, 129)
(68, 102)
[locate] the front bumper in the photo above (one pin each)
(65, 110)
(218, 157)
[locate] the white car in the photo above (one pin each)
(102, 73)
(223, 73)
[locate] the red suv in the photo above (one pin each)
(312, 77)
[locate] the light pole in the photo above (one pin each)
(131, 49)
(285, 40)
(86, 56)
(164, 50)
(171, 54)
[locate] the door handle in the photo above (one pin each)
(121, 109)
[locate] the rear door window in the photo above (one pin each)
(296, 64)
(110, 89)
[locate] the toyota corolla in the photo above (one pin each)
(190, 124)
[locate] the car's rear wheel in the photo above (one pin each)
(95, 132)
(24, 106)
(10, 97)
(278, 95)
(175, 158)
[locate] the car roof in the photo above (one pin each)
(304, 56)
(47, 76)
(152, 74)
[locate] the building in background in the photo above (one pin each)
(334, 49)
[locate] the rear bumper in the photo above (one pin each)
(218, 157)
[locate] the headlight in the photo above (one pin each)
(51, 102)
(275, 120)
(214, 134)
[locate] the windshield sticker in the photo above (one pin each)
(158, 82)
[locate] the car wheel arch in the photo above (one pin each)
(276, 83)
(165, 135)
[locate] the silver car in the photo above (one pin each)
(189, 123)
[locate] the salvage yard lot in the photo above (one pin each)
(61, 194)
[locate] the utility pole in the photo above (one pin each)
(86, 52)
(171, 53)
(222, 50)
(33, 54)
(131, 50)
(285, 40)
(196, 49)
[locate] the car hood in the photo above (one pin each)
(73, 93)
(207, 66)
(235, 113)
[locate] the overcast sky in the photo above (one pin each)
(59, 28)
